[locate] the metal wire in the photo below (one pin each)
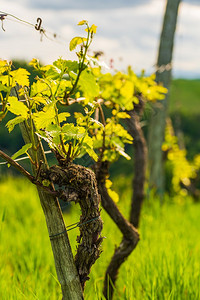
(78, 224)
(23, 158)
(53, 35)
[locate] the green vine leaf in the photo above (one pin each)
(63, 116)
(20, 76)
(76, 41)
(91, 153)
(11, 123)
(66, 65)
(73, 132)
(112, 194)
(43, 118)
(51, 72)
(83, 22)
(22, 151)
(88, 85)
(4, 88)
(18, 108)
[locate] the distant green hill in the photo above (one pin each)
(185, 97)
(184, 109)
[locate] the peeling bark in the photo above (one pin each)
(83, 190)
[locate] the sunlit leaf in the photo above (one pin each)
(71, 132)
(88, 84)
(16, 107)
(111, 193)
(127, 90)
(51, 72)
(75, 42)
(93, 28)
(4, 88)
(34, 63)
(39, 89)
(20, 76)
(91, 153)
(122, 153)
(63, 116)
(83, 22)
(123, 115)
(44, 118)
(22, 151)
(4, 79)
(11, 124)
(39, 100)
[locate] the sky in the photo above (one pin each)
(128, 32)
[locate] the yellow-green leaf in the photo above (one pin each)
(83, 22)
(22, 151)
(88, 85)
(39, 100)
(75, 42)
(123, 115)
(43, 118)
(127, 90)
(92, 153)
(4, 79)
(63, 116)
(11, 124)
(20, 76)
(34, 63)
(16, 107)
(111, 193)
(39, 88)
(4, 65)
(93, 28)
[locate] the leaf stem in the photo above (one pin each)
(81, 68)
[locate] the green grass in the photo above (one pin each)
(165, 265)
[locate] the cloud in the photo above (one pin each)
(90, 4)
(84, 4)
(128, 34)
(195, 2)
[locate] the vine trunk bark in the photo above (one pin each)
(140, 163)
(130, 234)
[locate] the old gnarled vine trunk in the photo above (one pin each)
(71, 273)
(79, 184)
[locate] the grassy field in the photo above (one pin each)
(165, 265)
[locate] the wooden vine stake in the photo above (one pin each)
(63, 257)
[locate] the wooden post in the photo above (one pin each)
(63, 257)
(163, 75)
